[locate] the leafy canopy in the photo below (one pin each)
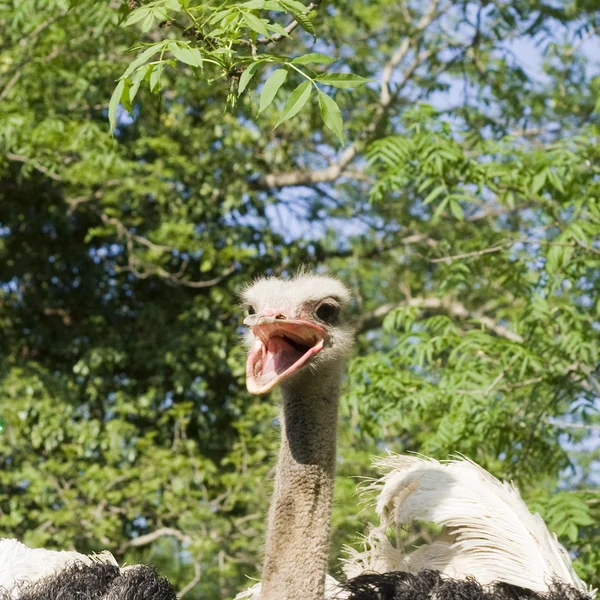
(464, 212)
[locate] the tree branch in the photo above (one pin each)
(567, 425)
(374, 319)
(29, 41)
(386, 98)
(143, 269)
(35, 164)
(150, 538)
(196, 579)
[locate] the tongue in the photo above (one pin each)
(278, 357)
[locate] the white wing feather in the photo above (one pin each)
(21, 566)
(492, 536)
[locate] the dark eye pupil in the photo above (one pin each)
(251, 310)
(327, 312)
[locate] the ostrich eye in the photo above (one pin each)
(251, 309)
(328, 312)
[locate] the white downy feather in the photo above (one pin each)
(492, 536)
(21, 566)
(380, 556)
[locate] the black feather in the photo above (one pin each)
(430, 585)
(98, 581)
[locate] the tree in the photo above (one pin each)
(464, 212)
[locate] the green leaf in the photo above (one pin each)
(538, 181)
(297, 99)
(313, 57)
(255, 24)
(434, 194)
(437, 213)
(147, 22)
(261, 5)
(136, 81)
(276, 28)
(144, 57)
(554, 259)
(293, 5)
(155, 76)
(456, 209)
(187, 55)
(125, 98)
(254, 5)
(247, 76)
(219, 15)
(554, 179)
(271, 87)
(300, 13)
(173, 5)
(426, 183)
(331, 115)
(114, 103)
(137, 15)
(342, 80)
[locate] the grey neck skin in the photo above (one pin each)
(299, 518)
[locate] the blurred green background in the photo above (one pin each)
(464, 214)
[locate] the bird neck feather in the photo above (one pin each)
(299, 518)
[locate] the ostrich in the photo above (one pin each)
(494, 549)
(298, 339)
(38, 574)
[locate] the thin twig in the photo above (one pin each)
(386, 99)
(35, 164)
(149, 538)
(197, 576)
(568, 425)
(449, 259)
(373, 319)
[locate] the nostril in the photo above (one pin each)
(280, 317)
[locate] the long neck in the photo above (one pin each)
(299, 518)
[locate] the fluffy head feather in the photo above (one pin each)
(304, 287)
(296, 327)
(491, 535)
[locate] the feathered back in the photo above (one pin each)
(20, 565)
(491, 535)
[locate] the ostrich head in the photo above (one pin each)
(296, 330)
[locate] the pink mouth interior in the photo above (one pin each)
(280, 349)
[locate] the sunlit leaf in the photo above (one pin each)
(296, 100)
(271, 87)
(247, 76)
(313, 57)
(342, 80)
(331, 115)
(114, 103)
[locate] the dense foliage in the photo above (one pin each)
(464, 213)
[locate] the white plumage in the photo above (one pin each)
(21, 566)
(43, 574)
(490, 533)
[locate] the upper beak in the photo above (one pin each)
(259, 319)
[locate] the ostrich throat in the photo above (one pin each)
(298, 529)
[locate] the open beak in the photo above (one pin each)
(281, 348)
